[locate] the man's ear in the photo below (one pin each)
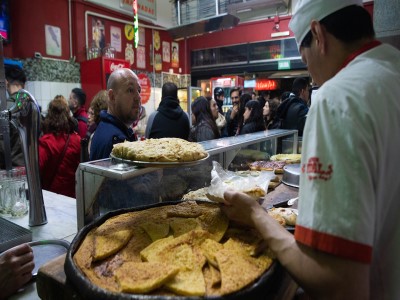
(319, 35)
(111, 96)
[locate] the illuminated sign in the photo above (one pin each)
(266, 85)
(145, 8)
(284, 65)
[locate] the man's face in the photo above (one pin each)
(127, 100)
(221, 97)
(235, 98)
(73, 102)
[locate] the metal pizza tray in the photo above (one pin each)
(159, 164)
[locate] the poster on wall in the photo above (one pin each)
(156, 40)
(98, 33)
(166, 51)
(145, 84)
(115, 34)
(53, 40)
(175, 55)
(158, 65)
(129, 32)
(141, 57)
(129, 54)
(142, 36)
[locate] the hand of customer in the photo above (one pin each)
(235, 111)
(16, 265)
(240, 207)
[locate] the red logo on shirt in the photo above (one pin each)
(314, 170)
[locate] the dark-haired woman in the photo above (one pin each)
(204, 126)
(59, 149)
(252, 118)
(269, 113)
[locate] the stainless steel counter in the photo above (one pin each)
(62, 224)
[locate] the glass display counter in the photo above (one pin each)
(106, 185)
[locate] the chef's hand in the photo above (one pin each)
(16, 265)
(235, 111)
(240, 207)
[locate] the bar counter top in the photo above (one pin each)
(61, 224)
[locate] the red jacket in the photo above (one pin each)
(59, 177)
(82, 117)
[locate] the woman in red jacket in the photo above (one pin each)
(59, 149)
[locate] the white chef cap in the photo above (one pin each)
(308, 10)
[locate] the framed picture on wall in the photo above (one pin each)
(141, 57)
(53, 40)
(115, 35)
(166, 51)
(175, 55)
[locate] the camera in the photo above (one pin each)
(38, 55)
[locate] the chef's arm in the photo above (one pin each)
(321, 275)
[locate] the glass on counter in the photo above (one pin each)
(13, 193)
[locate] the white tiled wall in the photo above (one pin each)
(45, 91)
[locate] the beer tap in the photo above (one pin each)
(24, 114)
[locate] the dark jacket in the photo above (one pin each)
(170, 121)
(250, 128)
(293, 113)
(231, 124)
(110, 131)
(202, 132)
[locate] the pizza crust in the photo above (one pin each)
(160, 150)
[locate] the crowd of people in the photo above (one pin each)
(70, 135)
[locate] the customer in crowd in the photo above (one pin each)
(16, 266)
(347, 236)
(123, 109)
(219, 97)
(252, 118)
(219, 118)
(124, 104)
(203, 120)
(286, 95)
(59, 149)
(169, 120)
(234, 115)
(140, 125)
(253, 96)
(261, 100)
(269, 113)
(293, 111)
(76, 102)
(98, 103)
(15, 80)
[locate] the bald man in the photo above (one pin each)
(123, 109)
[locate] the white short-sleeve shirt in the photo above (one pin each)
(349, 185)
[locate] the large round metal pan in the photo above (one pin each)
(291, 175)
(266, 286)
(159, 164)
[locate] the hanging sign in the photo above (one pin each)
(266, 85)
(145, 85)
(145, 8)
(135, 22)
